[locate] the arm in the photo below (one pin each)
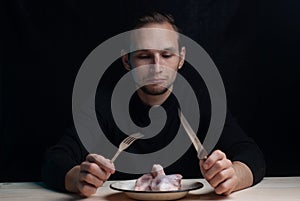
(67, 165)
(85, 178)
(224, 175)
(236, 164)
(67, 169)
(60, 158)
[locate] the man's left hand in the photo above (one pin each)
(219, 172)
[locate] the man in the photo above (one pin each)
(68, 166)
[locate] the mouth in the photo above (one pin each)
(155, 80)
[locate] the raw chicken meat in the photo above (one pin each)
(143, 183)
(166, 182)
(157, 170)
(157, 180)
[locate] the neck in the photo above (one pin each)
(153, 100)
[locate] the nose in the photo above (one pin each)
(156, 67)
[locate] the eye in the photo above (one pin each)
(143, 56)
(167, 55)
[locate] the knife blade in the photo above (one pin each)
(201, 151)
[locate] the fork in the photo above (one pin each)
(126, 143)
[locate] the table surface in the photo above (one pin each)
(270, 188)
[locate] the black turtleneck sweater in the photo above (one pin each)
(70, 152)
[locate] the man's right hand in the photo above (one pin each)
(89, 175)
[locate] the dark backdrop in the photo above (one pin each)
(255, 45)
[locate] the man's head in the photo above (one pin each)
(155, 18)
(156, 55)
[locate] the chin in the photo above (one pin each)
(154, 91)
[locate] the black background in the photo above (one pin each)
(255, 45)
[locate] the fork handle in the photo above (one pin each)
(116, 155)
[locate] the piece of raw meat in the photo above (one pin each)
(157, 180)
(143, 183)
(157, 170)
(166, 182)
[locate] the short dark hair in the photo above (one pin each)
(155, 17)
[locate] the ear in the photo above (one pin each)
(125, 60)
(181, 57)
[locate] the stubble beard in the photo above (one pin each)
(154, 92)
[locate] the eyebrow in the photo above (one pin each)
(171, 49)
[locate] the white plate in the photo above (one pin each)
(128, 188)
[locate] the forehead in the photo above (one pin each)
(154, 36)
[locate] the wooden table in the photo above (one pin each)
(271, 188)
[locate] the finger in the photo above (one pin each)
(217, 168)
(226, 187)
(90, 179)
(221, 177)
(95, 170)
(104, 163)
(86, 189)
(212, 159)
(201, 162)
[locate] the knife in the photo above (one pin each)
(202, 153)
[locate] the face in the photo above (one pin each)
(157, 59)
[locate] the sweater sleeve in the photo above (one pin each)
(240, 147)
(60, 158)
